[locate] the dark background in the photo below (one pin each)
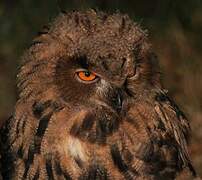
(175, 29)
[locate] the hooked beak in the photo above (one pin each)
(117, 100)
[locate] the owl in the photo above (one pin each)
(91, 106)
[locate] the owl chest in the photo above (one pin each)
(122, 157)
(92, 150)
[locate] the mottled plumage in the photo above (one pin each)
(121, 126)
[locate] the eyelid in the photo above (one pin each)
(81, 69)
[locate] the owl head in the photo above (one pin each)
(88, 58)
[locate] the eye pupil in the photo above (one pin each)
(87, 73)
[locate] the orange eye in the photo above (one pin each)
(86, 75)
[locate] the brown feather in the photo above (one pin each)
(122, 126)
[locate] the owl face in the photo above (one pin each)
(80, 82)
(86, 60)
(100, 57)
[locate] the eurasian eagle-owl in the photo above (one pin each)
(91, 106)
